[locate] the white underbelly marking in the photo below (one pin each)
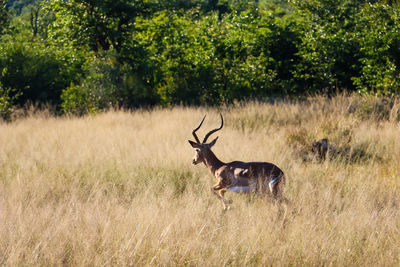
(240, 189)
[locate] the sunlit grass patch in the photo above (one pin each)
(119, 188)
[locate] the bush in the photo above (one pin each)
(215, 53)
(39, 72)
(77, 101)
(380, 28)
(107, 83)
(4, 16)
(329, 47)
(7, 99)
(213, 60)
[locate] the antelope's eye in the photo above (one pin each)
(197, 150)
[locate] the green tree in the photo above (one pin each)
(6, 103)
(19, 6)
(208, 60)
(97, 25)
(7, 99)
(38, 72)
(108, 83)
(329, 48)
(36, 68)
(379, 33)
(4, 16)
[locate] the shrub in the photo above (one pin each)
(7, 100)
(76, 101)
(379, 25)
(39, 72)
(329, 47)
(216, 59)
(107, 83)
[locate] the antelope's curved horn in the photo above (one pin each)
(215, 130)
(198, 127)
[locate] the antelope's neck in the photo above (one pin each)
(212, 162)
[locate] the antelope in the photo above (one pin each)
(236, 176)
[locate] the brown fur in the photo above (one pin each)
(256, 175)
(322, 148)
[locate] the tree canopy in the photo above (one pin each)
(86, 55)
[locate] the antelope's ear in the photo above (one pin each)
(194, 144)
(213, 142)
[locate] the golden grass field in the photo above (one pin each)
(118, 188)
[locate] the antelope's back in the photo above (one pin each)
(255, 169)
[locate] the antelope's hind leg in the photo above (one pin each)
(274, 187)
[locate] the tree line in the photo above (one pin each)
(87, 55)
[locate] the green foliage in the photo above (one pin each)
(18, 6)
(37, 71)
(270, 4)
(98, 90)
(181, 54)
(329, 48)
(86, 56)
(7, 99)
(107, 83)
(380, 32)
(4, 16)
(98, 25)
(212, 60)
(77, 101)
(206, 6)
(6, 103)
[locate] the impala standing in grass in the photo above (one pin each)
(236, 176)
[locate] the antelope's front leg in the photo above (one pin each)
(220, 195)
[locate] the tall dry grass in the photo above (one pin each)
(119, 188)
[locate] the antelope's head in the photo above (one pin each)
(203, 148)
